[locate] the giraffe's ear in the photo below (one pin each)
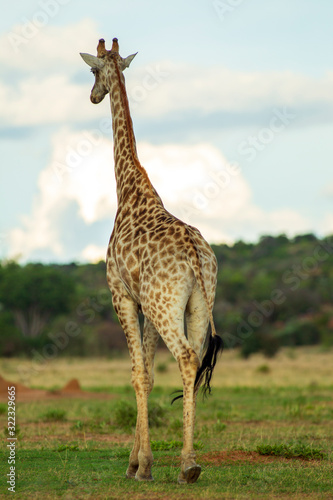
(92, 61)
(126, 62)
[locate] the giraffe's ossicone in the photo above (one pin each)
(159, 265)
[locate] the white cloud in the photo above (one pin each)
(51, 100)
(42, 88)
(93, 253)
(196, 184)
(80, 173)
(194, 179)
(171, 88)
(81, 170)
(36, 49)
(326, 225)
(199, 186)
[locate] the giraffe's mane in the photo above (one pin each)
(129, 126)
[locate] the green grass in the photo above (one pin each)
(251, 443)
(291, 450)
(54, 415)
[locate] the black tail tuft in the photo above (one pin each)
(180, 395)
(205, 372)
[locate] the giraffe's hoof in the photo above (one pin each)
(131, 472)
(141, 477)
(190, 475)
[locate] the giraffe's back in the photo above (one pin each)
(155, 258)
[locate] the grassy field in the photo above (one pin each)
(266, 431)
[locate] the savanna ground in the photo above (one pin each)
(265, 432)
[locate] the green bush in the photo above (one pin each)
(299, 332)
(294, 274)
(293, 450)
(156, 415)
(55, 415)
(125, 415)
(260, 341)
(162, 368)
(263, 369)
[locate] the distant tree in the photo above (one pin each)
(11, 341)
(266, 246)
(282, 288)
(260, 341)
(305, 238)
(231, 283)
(299, 332)
(34, 294)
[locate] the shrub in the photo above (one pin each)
(125, 415)
(293, 450)
(262, 341)
(54, 416)
(162, 368)
(299, 332)
(156, 415)
(263, 369)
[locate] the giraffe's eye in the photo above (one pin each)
(94, 71)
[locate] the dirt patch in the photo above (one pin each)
(72, 386)
(71, 390)
(4, 384)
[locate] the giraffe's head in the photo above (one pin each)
(105, 67)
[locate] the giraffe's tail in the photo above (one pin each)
(214, 343)
(205, 371)
(196, 259)
(199, 253)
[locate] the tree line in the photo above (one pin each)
(276, 292)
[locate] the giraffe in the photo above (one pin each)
(157, 265)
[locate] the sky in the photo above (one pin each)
(232, 105)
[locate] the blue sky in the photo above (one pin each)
(232, 104)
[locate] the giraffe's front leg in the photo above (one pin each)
(149, 344)
(134, 456)
(141, 457)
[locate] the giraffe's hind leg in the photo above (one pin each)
(197, 321)
(166, 311)
(188, 362)
(149, 344)
(171, 329)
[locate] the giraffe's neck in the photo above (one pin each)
(130, 175)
